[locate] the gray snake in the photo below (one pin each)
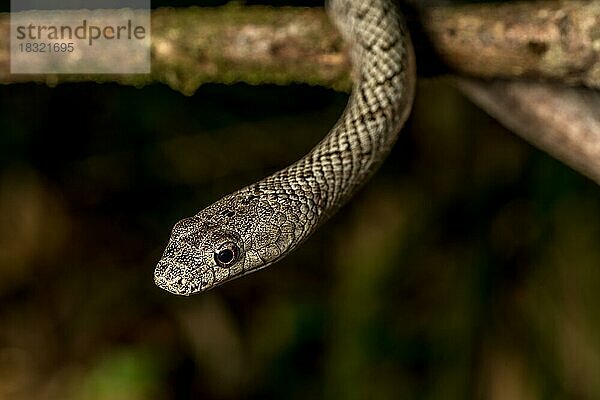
(260, 224)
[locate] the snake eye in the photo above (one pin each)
(227, 254)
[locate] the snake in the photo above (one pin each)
(262, 223)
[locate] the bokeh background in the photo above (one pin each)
(468, 267)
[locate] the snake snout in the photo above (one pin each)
(175, 279)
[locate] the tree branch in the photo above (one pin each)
(233, 43)
(558, 40)
(554, 40)
(563, 121)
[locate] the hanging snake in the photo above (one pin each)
(260, 224)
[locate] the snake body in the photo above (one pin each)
(258, 225)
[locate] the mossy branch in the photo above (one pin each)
(557, 40)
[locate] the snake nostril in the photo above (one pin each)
(181, 283)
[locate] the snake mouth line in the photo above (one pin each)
(183, 286)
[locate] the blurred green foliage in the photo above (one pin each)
(469, 267)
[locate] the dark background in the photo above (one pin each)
(468, 267)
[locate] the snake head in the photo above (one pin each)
(237, 235)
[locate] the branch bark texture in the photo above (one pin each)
(557, 40)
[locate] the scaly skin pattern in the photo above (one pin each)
(262, 223)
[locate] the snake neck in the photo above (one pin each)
(384, 70)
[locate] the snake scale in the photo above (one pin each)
(260, 224)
